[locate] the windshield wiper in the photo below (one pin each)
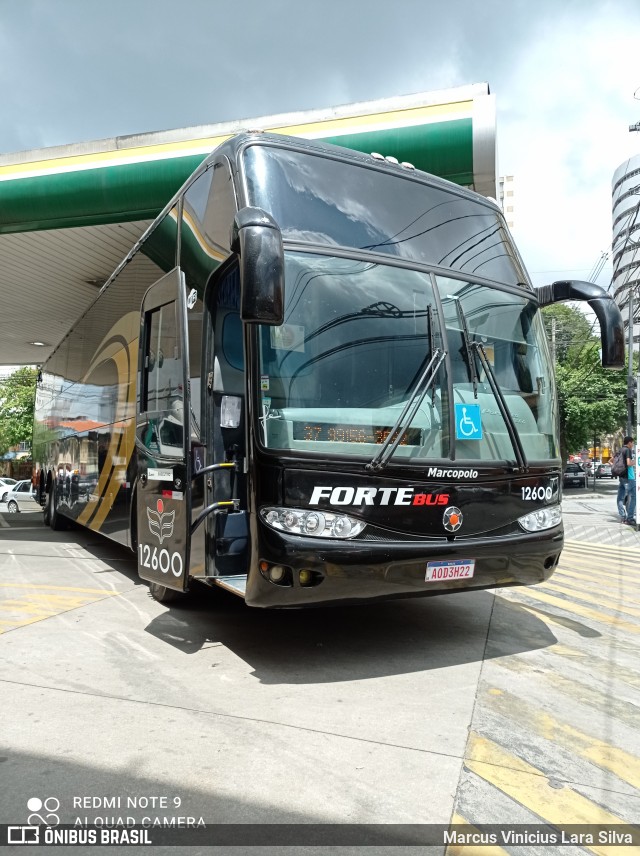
(518, 448)
(466, 338)
(394, 437)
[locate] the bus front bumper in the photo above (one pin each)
(318, 572)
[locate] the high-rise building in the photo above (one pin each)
(626, 238)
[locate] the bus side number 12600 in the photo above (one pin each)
(161, 560)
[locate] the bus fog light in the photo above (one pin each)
(543, 518)
(279, 575)
(276, 573)
(317, 524)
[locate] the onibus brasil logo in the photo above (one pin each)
(160, 521)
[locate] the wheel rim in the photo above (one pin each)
(12, 508)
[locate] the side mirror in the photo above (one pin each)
(256, 238)
(605, 308)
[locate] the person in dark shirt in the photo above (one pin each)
(627, 487)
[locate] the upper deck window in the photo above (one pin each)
(320, 200)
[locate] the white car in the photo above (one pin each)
(6, 484)
(22, 497)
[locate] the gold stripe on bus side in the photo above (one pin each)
(126, 442)
(126, 362)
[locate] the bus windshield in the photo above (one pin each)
(355, 344)
(330, 202)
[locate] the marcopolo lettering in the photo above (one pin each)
(436, 472)
(375, 496)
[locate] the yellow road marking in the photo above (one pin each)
(616, 570)
(620, 673)
(529, 787)
(585, 694)
(595, 549)
(465, 849)
(57, 588)
(35, 603)
(616, 584)
(545, 617)
(584, 611)
(615, 605)
(621, 763)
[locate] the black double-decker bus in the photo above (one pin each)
(319, 376)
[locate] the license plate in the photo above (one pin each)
(442, 571)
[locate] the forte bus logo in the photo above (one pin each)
(160, 521)
(358, 496)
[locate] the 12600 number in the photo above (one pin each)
(537, 493)
(161, 560)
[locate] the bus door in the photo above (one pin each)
(163, 495)
(227, 529)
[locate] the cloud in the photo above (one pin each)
(564, 133)
(563, 76)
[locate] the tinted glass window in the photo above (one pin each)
(319, 200)
(208, 211)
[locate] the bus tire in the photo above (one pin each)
(55, 520)
(166, 595)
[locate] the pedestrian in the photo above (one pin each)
(627, 486)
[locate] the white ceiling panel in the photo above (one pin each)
(49, 278)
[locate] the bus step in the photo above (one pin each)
(236, 584)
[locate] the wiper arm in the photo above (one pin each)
(466, 338)
(518, 448)
(394, 437)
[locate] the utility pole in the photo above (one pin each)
(630, 384)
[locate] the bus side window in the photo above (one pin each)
(162, 392)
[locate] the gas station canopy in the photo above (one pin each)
(69, 214)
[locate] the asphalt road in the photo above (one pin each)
(515, 706)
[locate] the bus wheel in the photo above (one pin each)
(166, 595)
(51, 516)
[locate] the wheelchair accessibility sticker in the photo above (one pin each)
(468, 422)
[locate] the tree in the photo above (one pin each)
(592, 399)
(17, 400)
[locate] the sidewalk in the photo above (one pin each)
(592, 516)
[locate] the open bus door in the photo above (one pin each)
(163, 494)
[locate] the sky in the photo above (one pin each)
(564, 73)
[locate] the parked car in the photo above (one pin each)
(5, 486)
(574, 476)
(604, 471)
(21, 497)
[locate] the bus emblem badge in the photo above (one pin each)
(452, 519)
(160, 522)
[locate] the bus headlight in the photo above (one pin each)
(543, 518)
(317, 524)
